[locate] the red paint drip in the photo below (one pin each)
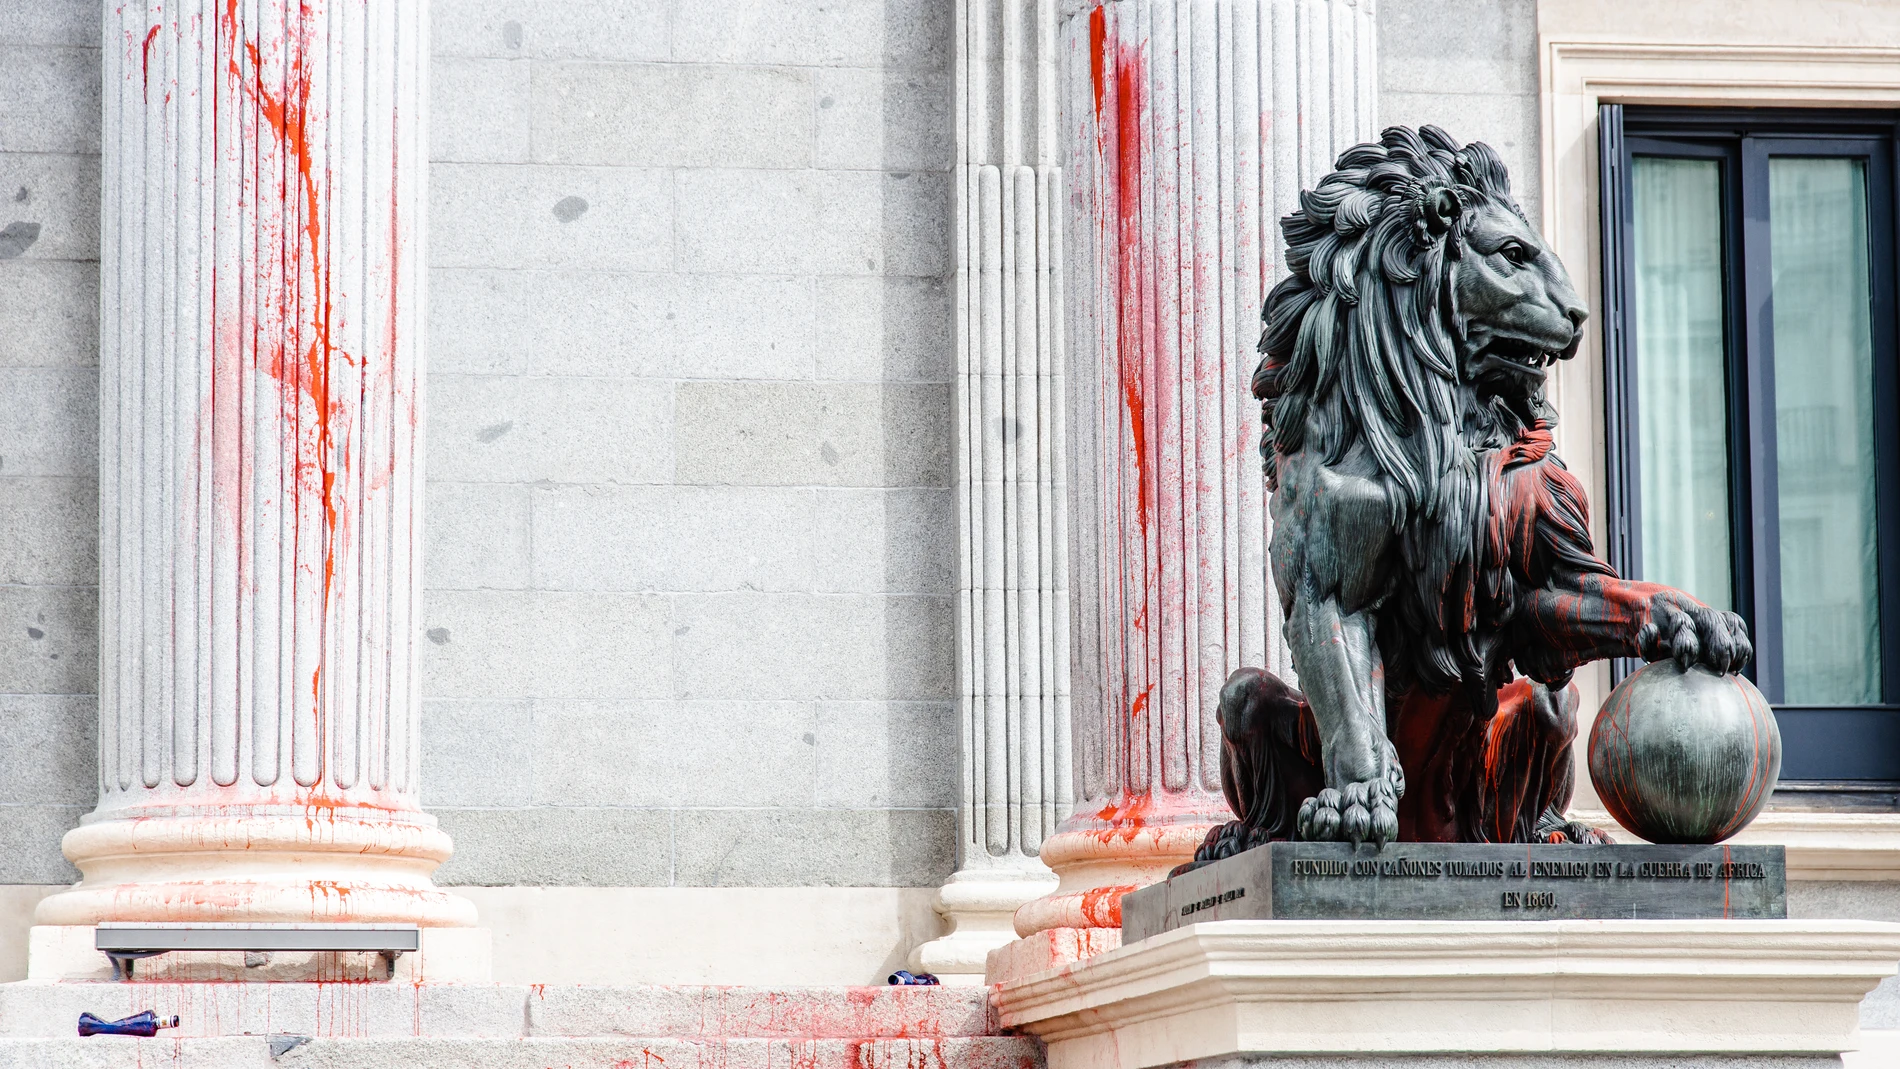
(1131, 91)
(1102, 906)
(146, 58)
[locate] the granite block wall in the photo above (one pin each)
(49, 428)
(1469, 66)
(689, 561)
(689, 565)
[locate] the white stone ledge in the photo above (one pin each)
(1293, 987)
(1821, 845)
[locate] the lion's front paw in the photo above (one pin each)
(1692, 633)
(1366, 811)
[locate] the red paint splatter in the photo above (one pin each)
(283, 113)
(1102, 906)
(1121, 150)
(1128, 815)
(146, 58)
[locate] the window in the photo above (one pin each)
(1754, 406)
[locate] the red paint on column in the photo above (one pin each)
(294, 220)
(1123, 148)
(145, 56)
(1135, 311)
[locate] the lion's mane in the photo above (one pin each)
(1362, 344)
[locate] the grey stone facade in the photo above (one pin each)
(1469, 66)
(688, 564)
(49, 429)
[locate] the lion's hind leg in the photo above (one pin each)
(1528, 775)
(1269, 763)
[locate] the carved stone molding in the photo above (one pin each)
(1632, 993)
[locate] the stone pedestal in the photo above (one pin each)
(1191, 128)
(1623, 993)
(264, 185)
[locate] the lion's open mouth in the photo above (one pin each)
(1516, 356)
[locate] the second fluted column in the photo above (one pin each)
(1190, 128)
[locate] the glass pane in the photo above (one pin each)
(1824, 430)
(1681, 391)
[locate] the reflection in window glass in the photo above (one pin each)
(1682, 399)
(1824, 430)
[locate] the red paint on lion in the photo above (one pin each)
(1557, 607)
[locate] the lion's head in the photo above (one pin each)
(1421, 312)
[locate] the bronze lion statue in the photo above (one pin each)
(1432, 554)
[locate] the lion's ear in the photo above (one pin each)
(1441, 208)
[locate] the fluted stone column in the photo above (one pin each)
(264, 186)
(1012, 507)
(1190, 128)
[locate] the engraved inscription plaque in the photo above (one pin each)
(1467, 881)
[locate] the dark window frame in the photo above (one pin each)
(1826, 747)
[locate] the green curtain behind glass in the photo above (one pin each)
(1682, 399)
(1824, 430)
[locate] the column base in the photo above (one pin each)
(1100, 862)
(1241, 991)
(319, 865)
(1047, 951)
(445, 955)
(980, 905)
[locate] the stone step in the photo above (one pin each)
(51, 1009)
(284, 1052)
(816, 1012)
(366, 1010)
